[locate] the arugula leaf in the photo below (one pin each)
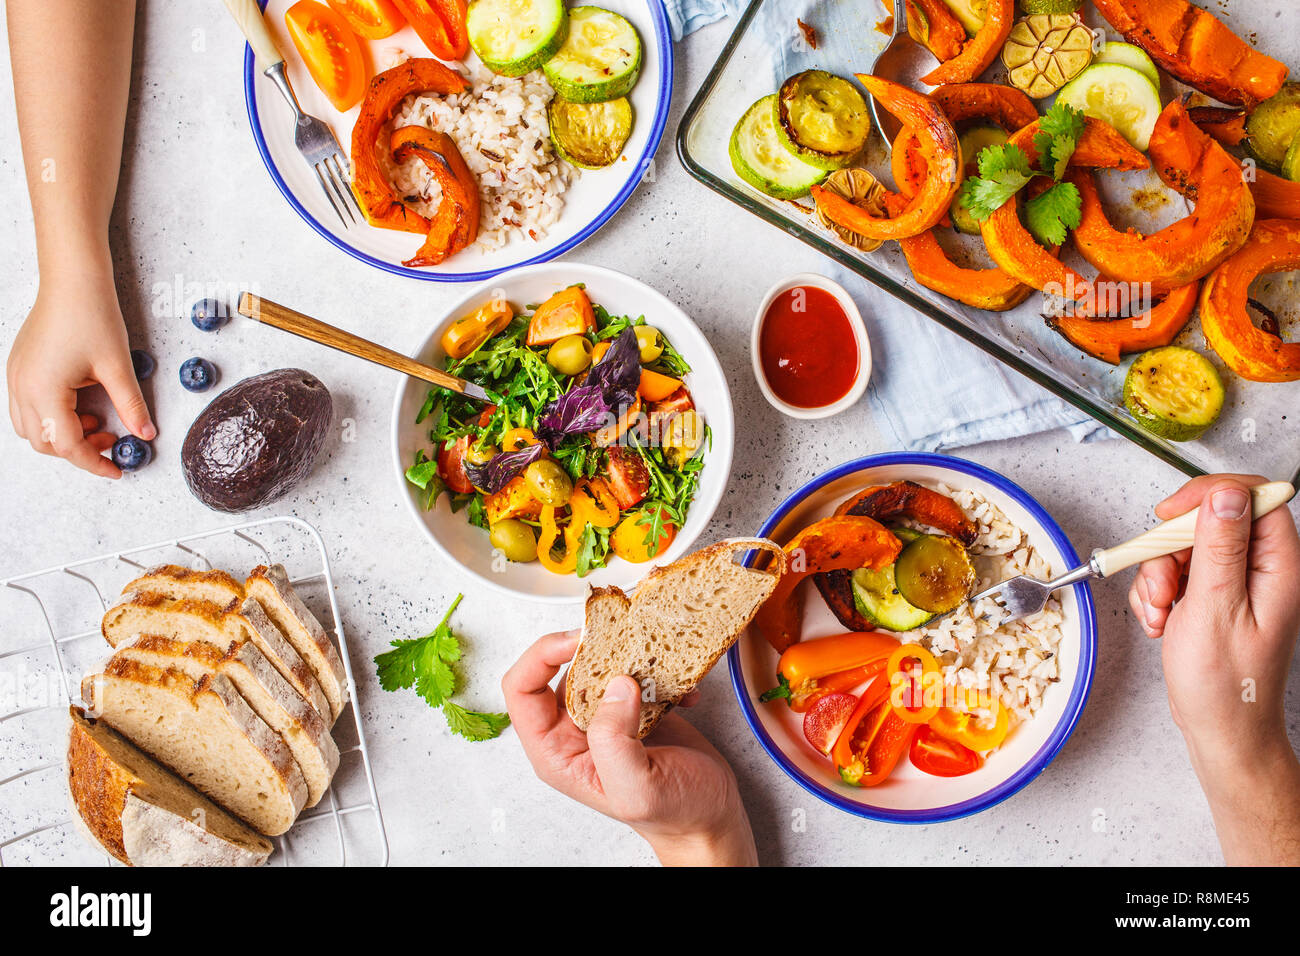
(472, 724)
(476, 513)
(425, 664)
(1051, 213)
(424, 475)
(593, 549)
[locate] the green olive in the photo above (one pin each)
(514, 539)
(477, 454)
(570, 355)
(650, 341)
(549, 483)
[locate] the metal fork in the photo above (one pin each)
(314, 139)
(1021, 596)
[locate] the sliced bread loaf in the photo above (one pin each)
(267, 692)
(142, 813)
(271, 587)
(174, 581)
(682, 618)
(206, 733)
(223, 627)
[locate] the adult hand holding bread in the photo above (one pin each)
(636, 659)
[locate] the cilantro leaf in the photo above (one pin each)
(423, 663)
(1051, 213)
(1058, 134)
(1004, 170)
(472, 724)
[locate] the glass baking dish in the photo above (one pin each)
(1256, 431)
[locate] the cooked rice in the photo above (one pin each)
(501, 129)
(1017, 661)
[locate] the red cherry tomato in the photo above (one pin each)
(826, 719)
(451, 466)
(936, 755)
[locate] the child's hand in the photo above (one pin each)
(74, 337)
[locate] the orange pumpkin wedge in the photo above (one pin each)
(1108, 339)
(979, 52)
(937, 145)
(834, 543)
(936, 28)
(387, 90)
(455, 225)
(1012, 246)
(1273, 246)
(1228, 126)
(1196, 47)
(1192, 163)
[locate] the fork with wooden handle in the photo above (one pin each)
(1022, 596)
(287, 320)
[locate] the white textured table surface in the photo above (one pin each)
(196, 206)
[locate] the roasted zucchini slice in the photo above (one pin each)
(875, 594)
(822, 118)
(934, 573)
(590, 135)
(759, 159)
(599, 61)
(514, 37)
(1173, 392)
(1273, 124)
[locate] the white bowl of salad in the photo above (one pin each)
(605, 451)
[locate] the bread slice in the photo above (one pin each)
(189, 619)
(271, 587)
(207, 734)
(262, 686)
(142, 813)
(683, 618)
(174, 581)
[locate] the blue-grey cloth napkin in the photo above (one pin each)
(931, 389)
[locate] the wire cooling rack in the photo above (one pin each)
(50, 639)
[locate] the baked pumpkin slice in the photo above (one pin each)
(1273, 246)
(1191, 162)
(1110, 338)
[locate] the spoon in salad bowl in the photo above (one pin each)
(1021, 596)
(287, 320)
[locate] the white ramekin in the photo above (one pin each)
(859, 335)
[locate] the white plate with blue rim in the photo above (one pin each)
(463, 545)
(908, 795)
(590, 202)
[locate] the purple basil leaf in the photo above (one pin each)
(499, 470)
(611, 385)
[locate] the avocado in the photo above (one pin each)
(257, 439)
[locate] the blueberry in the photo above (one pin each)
(208, 315)
(130, 453)
(197, 374)
(143, 363)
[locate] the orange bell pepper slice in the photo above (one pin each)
(611, 433)
(567, 312)
(939, 147)
(469, 332)
(593, 503)
(958, 724)
(1196, 47)
(930, 684)
(811, 669)
(440, 24)
(546, 541)
(387, 90)
(980, 50)
(873, 740)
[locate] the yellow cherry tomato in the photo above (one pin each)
(629, 539)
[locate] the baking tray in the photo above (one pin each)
(1255, 433)
(52, 638)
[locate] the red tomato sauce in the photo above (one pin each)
(807, 348)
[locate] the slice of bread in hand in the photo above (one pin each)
(271, 587)
(224, 627)
(682, 618)
(207, 734)
(175, 581)
(267, 692)
(145, 815)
